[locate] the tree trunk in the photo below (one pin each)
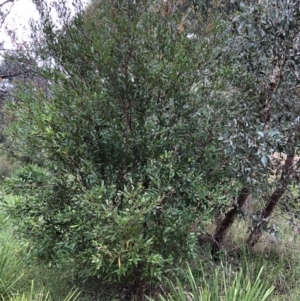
(218, 237)
(287, 170)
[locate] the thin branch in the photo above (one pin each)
(4, 91)
(293, 88)
(13, 75)
(5, 2)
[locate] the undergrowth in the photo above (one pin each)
(270, 271)
(28, 279)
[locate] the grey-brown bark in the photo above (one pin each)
(287, 171)
(222, 228)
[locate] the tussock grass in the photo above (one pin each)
(282, 249)
(240, 288)
(34, 295)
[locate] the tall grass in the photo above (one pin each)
(17, 275)
(11, 262)
(35, 295)
(10, 267)
(241, 288)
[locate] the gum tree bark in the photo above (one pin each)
(222, 228)
(287, 171)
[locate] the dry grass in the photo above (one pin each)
(283, 250)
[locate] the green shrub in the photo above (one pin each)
(112, 233)
(6, 166)
(25, 179)
(125, 140)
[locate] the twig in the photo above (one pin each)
(6, 2)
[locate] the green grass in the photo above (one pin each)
(240, 288)
(18, 270)
(274, 252)
(35, 295)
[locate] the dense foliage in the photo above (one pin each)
(151, 116)
(126, 141)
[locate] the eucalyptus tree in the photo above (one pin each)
(265, 52)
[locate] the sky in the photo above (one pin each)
(18, 21)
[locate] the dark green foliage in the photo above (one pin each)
(126, 141)
(25, 179)
(264, 49)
